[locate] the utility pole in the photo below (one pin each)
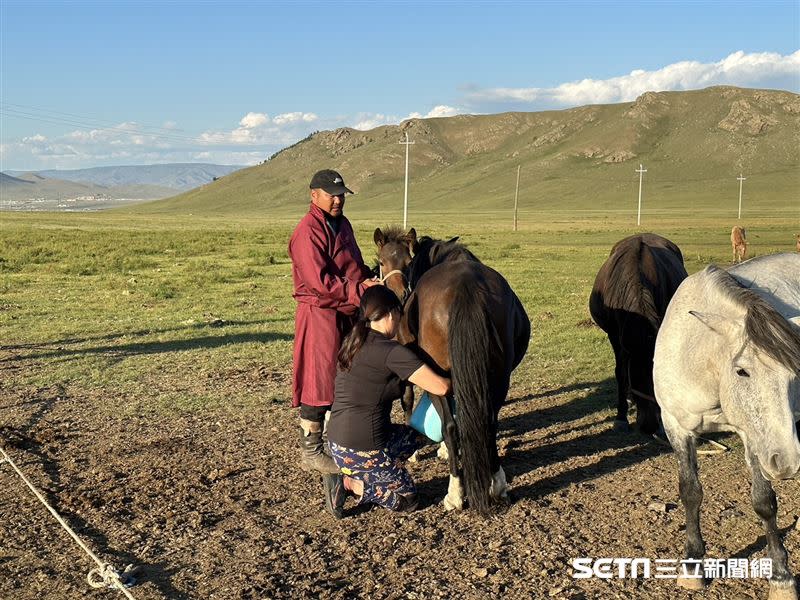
(740, 179)
(405, 197)
(641, 171)
(516, 195)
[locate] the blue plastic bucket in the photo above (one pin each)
(426, 420)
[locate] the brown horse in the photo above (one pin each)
(466, 320)
(739, 243)
(628, 301)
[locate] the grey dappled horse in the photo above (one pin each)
(728, 359)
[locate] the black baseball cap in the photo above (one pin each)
(330, 181)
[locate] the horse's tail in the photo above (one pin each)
(469, 345)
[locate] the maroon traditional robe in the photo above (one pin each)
(327, 270)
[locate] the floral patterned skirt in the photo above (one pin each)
(382, 471)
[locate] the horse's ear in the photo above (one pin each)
(411, 236)
(453, 240)
(379, 238)
(716, 323)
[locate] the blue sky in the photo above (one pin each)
(101, 83)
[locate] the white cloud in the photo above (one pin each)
(256, 135)
(252, 119)
(763, 69)
(437, 111)
(294, 117)
(365, 121)
(443, 111)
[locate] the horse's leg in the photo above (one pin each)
(407, 402)
(454, 500)
(691, 493)
(622, 361)
(781, 584)
(499, 488)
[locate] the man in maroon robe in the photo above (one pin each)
(329, 277)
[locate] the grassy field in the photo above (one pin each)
(159, 312)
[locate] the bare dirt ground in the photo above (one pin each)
(211, 505)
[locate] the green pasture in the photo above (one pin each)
(154, 314)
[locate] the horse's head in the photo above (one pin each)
(759, 384)
(395, 249)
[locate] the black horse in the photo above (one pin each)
(628, 302)
(465, 318)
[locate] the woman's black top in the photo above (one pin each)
(360, 416)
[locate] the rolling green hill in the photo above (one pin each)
(693, 144)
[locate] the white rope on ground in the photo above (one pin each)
(104, 575)
(719, 447)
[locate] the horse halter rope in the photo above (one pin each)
(383, 277)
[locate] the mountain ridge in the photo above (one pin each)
(583, 156)
(176, 176)
(32, 191)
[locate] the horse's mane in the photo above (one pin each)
(764, 325)
(394, 233)
(629, 290)
(429, 252)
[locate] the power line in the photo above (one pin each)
(82, 117)
(82, 125)
(89, 127)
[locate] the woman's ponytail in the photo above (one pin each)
(352, 344)
(377, 302)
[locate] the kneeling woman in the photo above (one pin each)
(368, 448)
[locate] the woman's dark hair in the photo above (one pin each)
(377, 302)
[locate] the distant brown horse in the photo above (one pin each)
(797, 241)
(739, 243)
(628, 301)
(465, 318)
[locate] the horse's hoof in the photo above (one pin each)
(413, 458)
(503, 501)
(782, 591)
(694, 584)
(450, 504)
(621, 426)
(442, 452)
